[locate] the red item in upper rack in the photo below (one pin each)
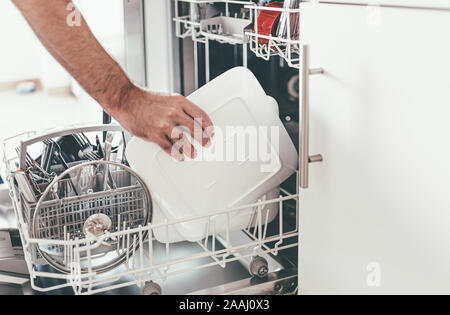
(267, 21)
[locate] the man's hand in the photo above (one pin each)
(151, 117)
(163, 119)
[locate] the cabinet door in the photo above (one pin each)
(376, 218)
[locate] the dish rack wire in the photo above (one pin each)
(266, 46)
(142, 263)
(186, 27)
(263, 46)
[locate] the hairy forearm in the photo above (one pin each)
(78, 51)
(151, 117)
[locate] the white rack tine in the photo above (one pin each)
(150, 244)
(259, 225)
(208, 225)
(281, 219)
(266, 222)
(124, 236)
(133, 255)
(128, 248)
(228, 233)
(118, 230)
(77, 264)
(255, 229)
(213, 240)
(141, 251)
(288, 26)
(89, 269)
(65, 246)
(167, 246)
(252, 218)
(280, 241)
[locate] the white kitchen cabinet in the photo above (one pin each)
(376, 218)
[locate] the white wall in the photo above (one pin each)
(19, 53)
(52, 74)
(162, 49)
(22, 56)
(106, 20)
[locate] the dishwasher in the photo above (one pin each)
(96, 236)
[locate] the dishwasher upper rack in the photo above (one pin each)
(265, 46)
(142, 263)
(186, 27)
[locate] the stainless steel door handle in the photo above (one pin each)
(305, 158)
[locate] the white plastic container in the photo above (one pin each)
(198, 187)
(169, 234)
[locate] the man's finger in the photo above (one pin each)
(199, 116)
(184, 146)
(167, 146)
(187, 124)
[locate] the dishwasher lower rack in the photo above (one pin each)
(140, 262)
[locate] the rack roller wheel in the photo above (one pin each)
(151, 288)
(259, 267)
